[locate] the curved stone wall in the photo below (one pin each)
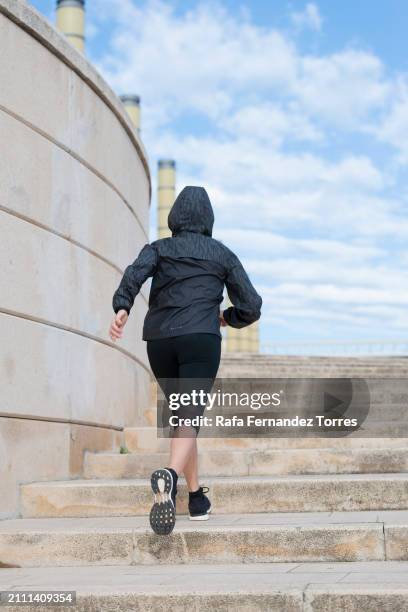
(74, 208)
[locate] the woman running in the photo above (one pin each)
(182, 331)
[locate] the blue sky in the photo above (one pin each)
(294, 115)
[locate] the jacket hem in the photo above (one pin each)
(177, 332)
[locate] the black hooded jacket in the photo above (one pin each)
(189, 272)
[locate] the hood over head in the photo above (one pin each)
(192, 212)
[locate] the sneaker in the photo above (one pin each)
(163, 512)
(199, 506)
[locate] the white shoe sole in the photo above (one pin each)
(201, 517)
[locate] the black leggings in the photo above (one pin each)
(190, 356)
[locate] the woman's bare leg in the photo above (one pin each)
(183, 447)
(191, 470)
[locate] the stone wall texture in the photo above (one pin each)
(74, 208)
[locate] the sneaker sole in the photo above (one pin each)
(200, 517)
(162, 515)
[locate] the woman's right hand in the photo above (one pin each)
(117, 325)
(223, 322)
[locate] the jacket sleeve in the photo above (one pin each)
(246, 301)
(134, 277)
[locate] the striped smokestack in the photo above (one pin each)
(244, 340)
(132, 105)
(166, 194)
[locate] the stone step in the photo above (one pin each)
(249, 366)
(269, 372)
(316, 365)
(323, 362)
(284, 444)
(144, 439)
(138, 439)
(313, 359)
(384, 374)
(323, 366)
(254, 462)
(241, 356)
(371, 428)
(250, 538)
(259, 587)
(396, 362)
(387, 416)
(130, 497)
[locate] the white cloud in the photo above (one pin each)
(271, 123)
(342, 88)
(309, 18)
(217, 64)
(394, 127)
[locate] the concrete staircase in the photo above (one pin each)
(305, 525)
